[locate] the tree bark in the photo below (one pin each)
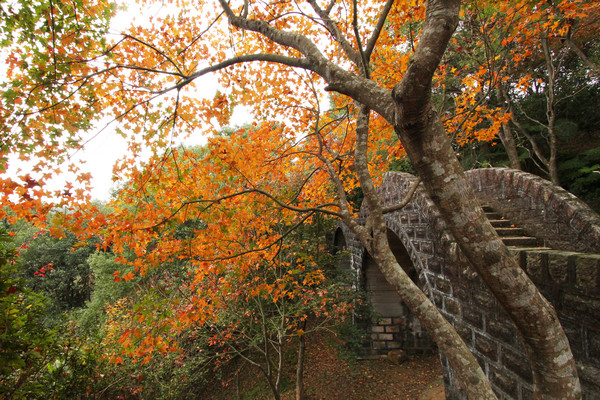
(506, 136)
(426, 142)
(550, 112)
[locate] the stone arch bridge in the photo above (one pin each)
(557, 243)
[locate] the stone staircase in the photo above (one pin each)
(511, 235)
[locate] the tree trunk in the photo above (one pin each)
(555, 375)
(550, 112)
(300, 368)
(506, 136)
(428, 146)
(426, 142)
(374, 238)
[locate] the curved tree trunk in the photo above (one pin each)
(423, 136)
(555, 375)
(375, 240)
(506, 136)
(426, 142)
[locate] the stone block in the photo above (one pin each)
(451, 306)
(384, 321)
(462, 293)
(504, 381)
(558, 267)
(594, 344)
(503, 330)
(473, 316)
(392, 329)
(377, 329)
(435, 266)
(517, 363)
(427, 247)
(486, 347)
(535, 265)
(589, 375)
(575, 334)
(484, 299)
(452, 271)
(581, 221)
(443, 285)
(587, 272)
(386, 336)
(526, 393)
(421, 232)
(465, 332)
(544, 195)
(437, 299)
(587, 308)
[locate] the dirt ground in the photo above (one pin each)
(329, 376)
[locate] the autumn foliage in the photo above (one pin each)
(205, 231)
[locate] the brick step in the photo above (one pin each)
(520, 241)
(511, 235)
(509, 231)
(500, 223)
(493, 215)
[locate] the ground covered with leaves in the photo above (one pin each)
(330, 375)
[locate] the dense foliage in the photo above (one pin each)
(212, 254)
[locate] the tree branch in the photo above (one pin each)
(274, 58)
(331, 26)
(320, 208)
(378, 28)
(156, 50)
(407, 199)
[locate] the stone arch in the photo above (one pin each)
(393, 326)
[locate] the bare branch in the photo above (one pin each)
(156, 50)
(275, 58)
(330, 7)
(364, 62)
(407, 199)
(266, 247)
(335, 32)
(378, 28)
(322, 208)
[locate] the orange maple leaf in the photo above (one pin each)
(129, 276)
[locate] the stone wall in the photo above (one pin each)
(570, 280)
(554, 216)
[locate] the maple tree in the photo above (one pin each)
(251, 306)
(381, 62)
